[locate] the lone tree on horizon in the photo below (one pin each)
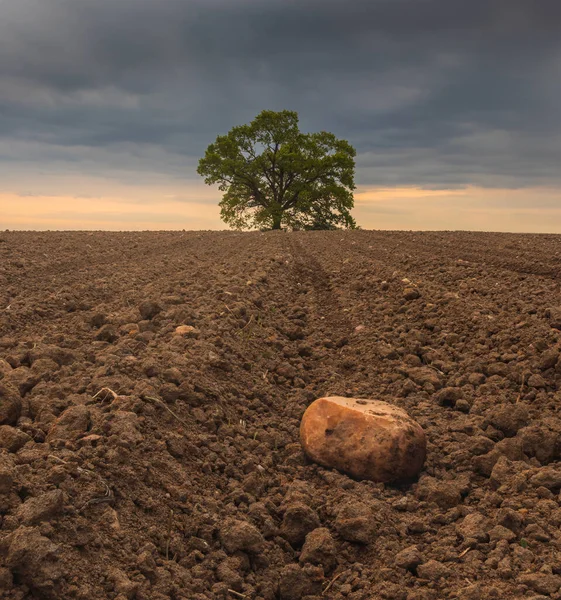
(273, 175)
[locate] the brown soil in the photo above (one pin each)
(140, 463)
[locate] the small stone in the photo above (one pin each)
(70, 425)
(367, 439)
(411, 294)
(433, 570)
(10, 404)
(319, 549)
(148, 310)
(299, 519)
(409, 558)
(240, 535)
(41, 508)
(12, 439)
(187, 331)
(355, 523)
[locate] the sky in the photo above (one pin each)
(454, 106)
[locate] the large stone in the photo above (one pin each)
(367, 439)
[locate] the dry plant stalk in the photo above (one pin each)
(328, 587)
(168, 541)
(163, 404)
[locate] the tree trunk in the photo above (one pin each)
(277, 221)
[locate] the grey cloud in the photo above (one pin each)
(431, 92)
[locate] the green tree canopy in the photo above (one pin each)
(273, 175)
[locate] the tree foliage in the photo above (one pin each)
(273, 175)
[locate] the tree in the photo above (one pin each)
(272, 175)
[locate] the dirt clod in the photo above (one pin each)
(41, 508)
(12, 439)
(149, 309)
(10, 404)
(299, 519)
(355, 523)
(240, 535)
(319, 549)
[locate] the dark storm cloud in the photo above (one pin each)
(431, 92)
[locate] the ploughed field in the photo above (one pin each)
(138, 462)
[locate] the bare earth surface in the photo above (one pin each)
(139, 463)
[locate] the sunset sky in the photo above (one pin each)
(454, 106)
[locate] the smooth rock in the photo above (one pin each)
(367, 439)
(411, 294)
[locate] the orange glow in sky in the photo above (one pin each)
(196, 207)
